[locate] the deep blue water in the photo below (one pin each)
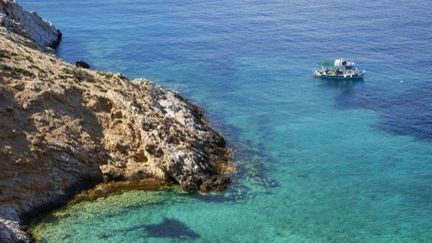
(319, 161)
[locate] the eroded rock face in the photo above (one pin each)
(28, 24)
(64, 129)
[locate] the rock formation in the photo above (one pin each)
(28, 24)
(64, 129)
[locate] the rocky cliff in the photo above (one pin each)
(28, 24)
(64, 129)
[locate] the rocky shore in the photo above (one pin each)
(64, 129)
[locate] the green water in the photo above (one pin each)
(318, 161)
(341, 186)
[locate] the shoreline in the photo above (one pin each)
(100, 190)
(78, 133)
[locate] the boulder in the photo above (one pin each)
(82, 64)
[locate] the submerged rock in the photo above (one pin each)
(64, 129)
(170, 228)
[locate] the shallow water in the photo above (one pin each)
(320, 161)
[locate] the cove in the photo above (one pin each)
(319, 162)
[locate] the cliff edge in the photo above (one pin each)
(64, 129)
(28, 24)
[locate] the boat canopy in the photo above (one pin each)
(339, 62)
(343, 62)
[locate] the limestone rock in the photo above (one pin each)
(64, 129)
(28, 24)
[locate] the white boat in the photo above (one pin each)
(342, 69)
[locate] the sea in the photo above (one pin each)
(318, 161)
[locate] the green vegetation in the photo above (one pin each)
(29, 58)
(77, 74)
(16, 71)
(4, 55)
(106, 75)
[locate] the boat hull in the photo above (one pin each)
(339, 77)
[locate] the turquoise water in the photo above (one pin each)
(319, 161)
